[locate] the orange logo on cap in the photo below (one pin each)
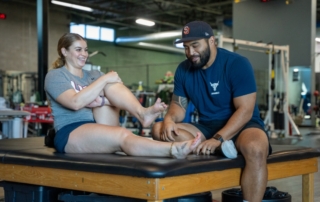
(186, 30)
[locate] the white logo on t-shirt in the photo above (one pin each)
(214, 86)
(77, 87)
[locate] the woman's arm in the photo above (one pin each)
(73, 100)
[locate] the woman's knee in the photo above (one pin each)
(111, 89)
(123, 132)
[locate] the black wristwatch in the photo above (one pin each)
(218, 137)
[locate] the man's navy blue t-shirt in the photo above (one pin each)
(212, 90)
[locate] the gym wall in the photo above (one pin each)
(18, 36)
(20, 49)
(281, 24)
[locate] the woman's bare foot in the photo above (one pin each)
(151, 113)
(180, 150)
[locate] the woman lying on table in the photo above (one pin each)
(85, 106)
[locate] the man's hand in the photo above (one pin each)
(168, 130)
(207, 147)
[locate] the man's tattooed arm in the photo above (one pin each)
(180, 101)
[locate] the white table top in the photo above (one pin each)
(13, 113)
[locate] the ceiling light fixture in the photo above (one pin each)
(60, 3)
(145, 22)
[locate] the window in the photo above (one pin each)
(93, 32)
(77, 28)
(106, 34)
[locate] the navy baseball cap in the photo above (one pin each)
(195, 30)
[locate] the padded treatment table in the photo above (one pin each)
(27, 160)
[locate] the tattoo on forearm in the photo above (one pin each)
(181, 101)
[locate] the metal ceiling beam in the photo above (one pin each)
(114, 21)
(149, 16)
(126, 25)
(188, 7)
(129, 15)
(95, 6)
(216, 4)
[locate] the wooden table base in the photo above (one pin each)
(155, 189)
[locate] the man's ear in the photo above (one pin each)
(212, 40)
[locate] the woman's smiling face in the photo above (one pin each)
(76, 55)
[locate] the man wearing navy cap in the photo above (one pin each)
(222, 87)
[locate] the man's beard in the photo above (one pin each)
(204, 58)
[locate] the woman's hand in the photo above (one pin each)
(99, 102)
(113, 77)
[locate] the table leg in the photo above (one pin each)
(307, 187)
(25, 129)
